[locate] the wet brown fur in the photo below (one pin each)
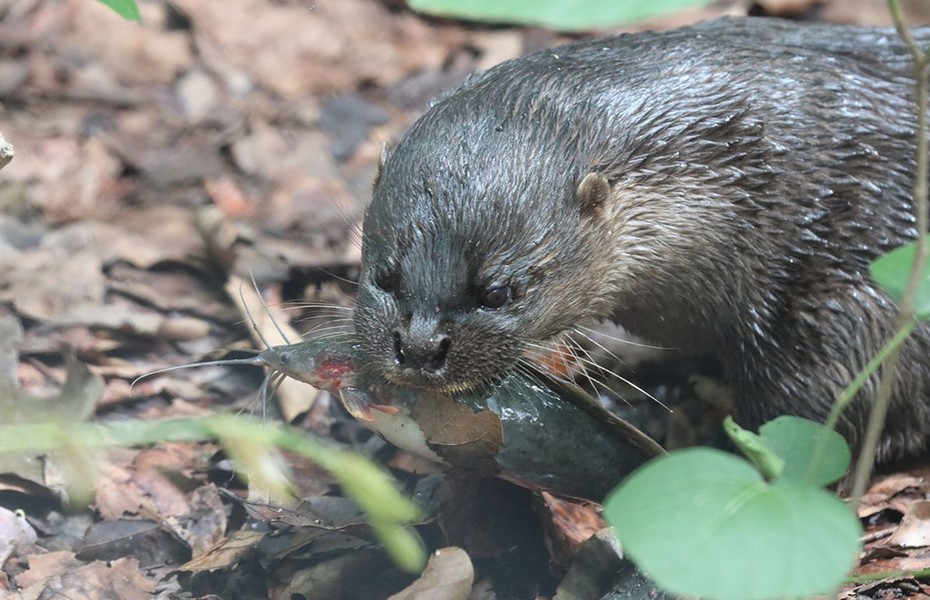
(719, 189)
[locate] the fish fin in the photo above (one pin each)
(357, 403)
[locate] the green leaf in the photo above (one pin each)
(554, 14)
(795, 440)
(769, 463)
(404, 545)
(369, 484)
(79, 395)
(891, 271)
(374, 489)
(266, 468)
(126, 9)
(702, 522)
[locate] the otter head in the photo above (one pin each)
(472, 256)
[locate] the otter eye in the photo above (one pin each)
(497, 297)
(384, 279)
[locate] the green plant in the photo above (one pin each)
(128, 9)
(892, 271)
(252, 443)
(705, 522)
(554, 14)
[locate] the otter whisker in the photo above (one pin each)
(576, 357)
(599, 368)
(338, 277)
(559, 352)
(597, 385)
(354, 228)
(315, 304)
(326, 329)
(331, 318)
(334, 318)
(578, 331)
(559, 355)
(621, 340)
(581, 356)
(630, 383)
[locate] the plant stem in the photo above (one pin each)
(891, 575)
(847, 395)
(905, 317)
(368, 483)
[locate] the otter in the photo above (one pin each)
(718, 189)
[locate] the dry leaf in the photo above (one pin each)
(914, 530)
(449, 575)
(96, 581)
(226, 553)
(43, 566)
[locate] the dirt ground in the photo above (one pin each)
(158, 169)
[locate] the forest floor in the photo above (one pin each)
(157, 168)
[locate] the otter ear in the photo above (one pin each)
(385, 153)
(592, 192)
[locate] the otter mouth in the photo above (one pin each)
(418, 383)
(559, 362)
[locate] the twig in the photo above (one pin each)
(905, 318)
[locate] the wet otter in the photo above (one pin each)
(719, 189)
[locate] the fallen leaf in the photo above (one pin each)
(43, 566)
(896, 491)
(96, 581)
(320, 544)
(226, 553)
(199, 95)
(146, 541)
(35, 278)
(146, 54)
(449, 575)
(567, 525)
(158, 484)
(330, 577)
(294, 52)
(348, 119)
(229, 197)
(914, 530)
(204, 525)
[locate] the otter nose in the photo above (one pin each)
(421, 347)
